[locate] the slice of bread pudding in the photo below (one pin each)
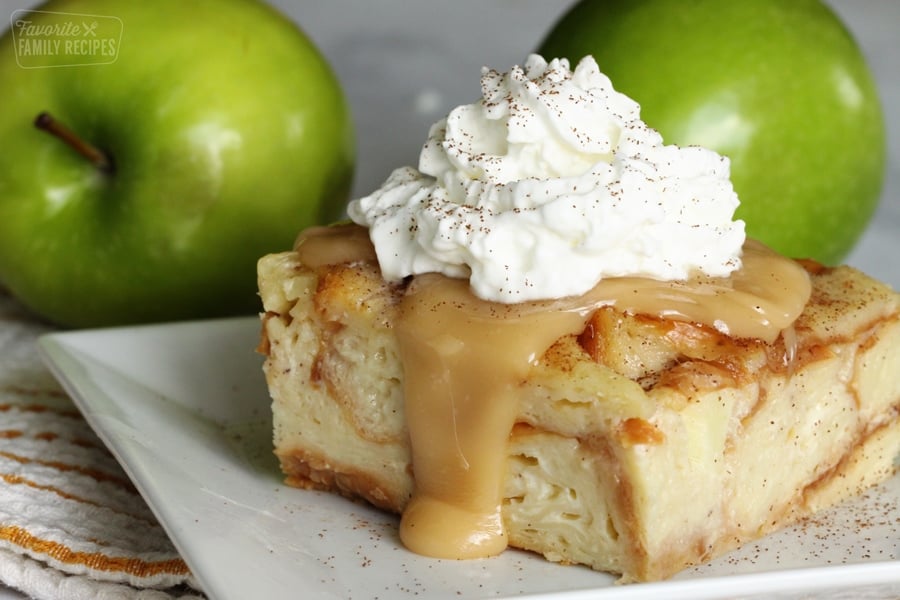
(640, 446)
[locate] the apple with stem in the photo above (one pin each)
(778, 86)
(143, 176)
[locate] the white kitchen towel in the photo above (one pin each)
(71, 524)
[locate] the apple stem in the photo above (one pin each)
(98, 158)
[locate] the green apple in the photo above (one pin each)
(778, 86)
(184, 141)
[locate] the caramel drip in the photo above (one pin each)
(334, 245)
(463, 361)
(758, 301)
(464, 358)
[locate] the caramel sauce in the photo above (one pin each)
(464, 359)
(334, 245)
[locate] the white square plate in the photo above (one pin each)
(184, 408)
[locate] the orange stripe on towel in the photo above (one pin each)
(93, 560)
(94, 474)
(11, 479)
(19, 480)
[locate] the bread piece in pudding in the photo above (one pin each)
(640, 446)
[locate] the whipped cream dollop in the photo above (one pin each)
(548, 184)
